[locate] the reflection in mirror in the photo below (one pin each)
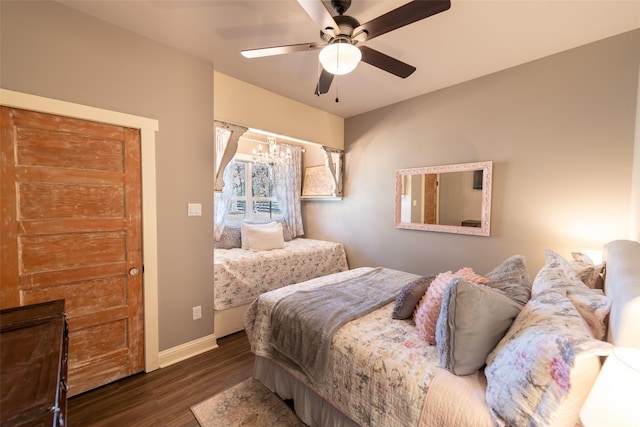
(449, 198)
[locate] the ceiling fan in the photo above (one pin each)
(341, 34)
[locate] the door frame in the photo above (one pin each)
(148, 128)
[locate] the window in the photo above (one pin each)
(254, 197)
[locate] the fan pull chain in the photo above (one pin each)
(338, 78)
(318, 68)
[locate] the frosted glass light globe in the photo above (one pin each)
(340, 58)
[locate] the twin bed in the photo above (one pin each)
(240, 275)
(375, 369)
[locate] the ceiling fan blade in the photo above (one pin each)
(386, 63)
(404, 15)
(324, 82)
(279, 50)
(320, 15)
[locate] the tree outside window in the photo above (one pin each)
(254, 196)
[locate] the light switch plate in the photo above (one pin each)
(194, 209)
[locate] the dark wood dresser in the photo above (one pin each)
(33, 369)
(472, 223)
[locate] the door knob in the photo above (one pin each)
(133, 272)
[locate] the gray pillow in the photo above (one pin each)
(409, 297)
(512, 277)
(473, 319)
(230, 238)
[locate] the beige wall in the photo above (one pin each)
(243, 104)
(635, 186)
(560, 133)
(52, 51)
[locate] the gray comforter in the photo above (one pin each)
(303, 323)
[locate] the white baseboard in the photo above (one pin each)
(187, 350)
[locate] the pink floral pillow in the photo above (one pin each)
(592, 304)
(587, 271)
(533, 374)
(428, 309)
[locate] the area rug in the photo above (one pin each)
(249, 404)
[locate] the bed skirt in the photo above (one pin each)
(312, 409)
(229, 321)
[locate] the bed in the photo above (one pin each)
(240, 275)
(380, 371)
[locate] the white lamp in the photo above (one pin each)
(614, 399)
(340, 58)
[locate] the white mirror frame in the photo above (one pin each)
(485, 217)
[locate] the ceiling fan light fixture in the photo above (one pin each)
(340, 58)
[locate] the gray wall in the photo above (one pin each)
(560, 133)
(53, 51)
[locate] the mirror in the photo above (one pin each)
(448, 198)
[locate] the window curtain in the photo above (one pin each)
(222, 139)
(222, 202)
(333, 161)
(288, 184)
(227, 136)
(226, 144)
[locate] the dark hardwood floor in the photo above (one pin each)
(163, 397)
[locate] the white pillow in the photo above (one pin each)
(244, 243)
(262, 237)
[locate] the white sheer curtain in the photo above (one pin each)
(222, 139)
(226, 145)
(227, 136)
(333, 161)
(288, 183)
(220, 207)
(222, 202)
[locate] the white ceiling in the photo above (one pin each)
(472, 39)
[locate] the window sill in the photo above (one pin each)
(329, 198)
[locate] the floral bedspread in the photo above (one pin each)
(380, 368)
(239, 276)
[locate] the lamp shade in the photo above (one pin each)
(340, 58)
(614, 399)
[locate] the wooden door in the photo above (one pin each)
(430, 198)
(71, 229)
